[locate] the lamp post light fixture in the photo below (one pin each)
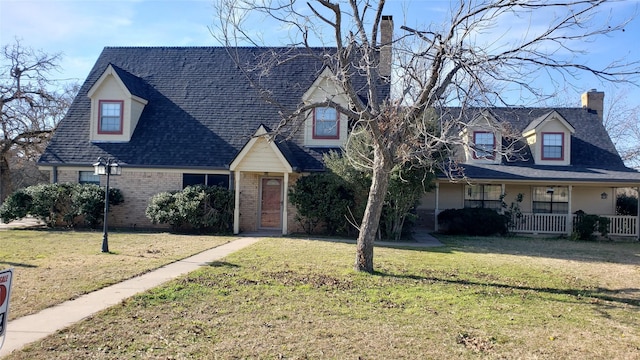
(106, 167)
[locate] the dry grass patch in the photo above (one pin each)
(53, 266)
(297, 299)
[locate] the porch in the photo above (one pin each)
(558, 224)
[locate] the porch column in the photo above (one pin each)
(236, 209)
(285, 203)
(570, 214)
(638, 216)
(437, 209)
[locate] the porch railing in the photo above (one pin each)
(622, 225)
(542, 224)
(557, 224)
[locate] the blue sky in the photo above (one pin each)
(80, 29)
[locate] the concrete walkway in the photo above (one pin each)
(25, 223)
(34, 327)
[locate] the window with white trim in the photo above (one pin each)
(483, 196)
(552, 146)
(110, 117)
(326, 123)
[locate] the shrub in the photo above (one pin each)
(57, 204)
(472, 221)
(586, 225)
(88, 201)
(407, 184)
(16, 206)
(162, 210)
(199, 207)
(627, 205)
(322, 198)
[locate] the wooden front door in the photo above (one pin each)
(271, 203)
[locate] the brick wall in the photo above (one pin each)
(137, 188)
(249, 201)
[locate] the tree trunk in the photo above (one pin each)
(6, 186)
(371, 218)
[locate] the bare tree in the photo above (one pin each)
(31, 107)
(468, 60)
(622, 122)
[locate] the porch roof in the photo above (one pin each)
(555, 174)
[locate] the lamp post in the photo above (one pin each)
(106, 167)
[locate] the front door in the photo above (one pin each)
(271, 203)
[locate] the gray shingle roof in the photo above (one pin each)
(593, 154)
(202, 111)
(201, 108)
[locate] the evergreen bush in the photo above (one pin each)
(472, 221)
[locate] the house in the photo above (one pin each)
(177, 116)
(562, 160)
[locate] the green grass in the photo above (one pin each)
(53, 266)
(287, 298)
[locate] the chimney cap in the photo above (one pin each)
(593, 90)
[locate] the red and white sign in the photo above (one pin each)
(5, 292)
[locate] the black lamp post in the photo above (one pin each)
(106, 167)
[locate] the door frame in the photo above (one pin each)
(282, 205)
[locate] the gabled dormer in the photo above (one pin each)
(482, 139)
(549, 138)
(116, 105)
(325, 126)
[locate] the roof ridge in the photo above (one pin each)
(215, 47)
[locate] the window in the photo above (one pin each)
(205, 179)
(551, 200)
(485, 145)
(110, 117)
(88, 177)
(325, 123)
(552, 146)
(483, 196)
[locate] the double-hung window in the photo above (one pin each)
(485, 145)
(326, 123)
(552, 146)
(483, 196)
(110, 117)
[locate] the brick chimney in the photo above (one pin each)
(386, 40)
(593, 100)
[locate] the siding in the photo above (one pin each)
(262, 158)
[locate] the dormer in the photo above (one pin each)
(116, 105)
(549, 138)
(482, 140)
(325, 126)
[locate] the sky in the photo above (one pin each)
(80, 29)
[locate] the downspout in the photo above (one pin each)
(54, 175)
(236, 210)
(285, 204)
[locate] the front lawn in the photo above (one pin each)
(296, 299)
(53, 266)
